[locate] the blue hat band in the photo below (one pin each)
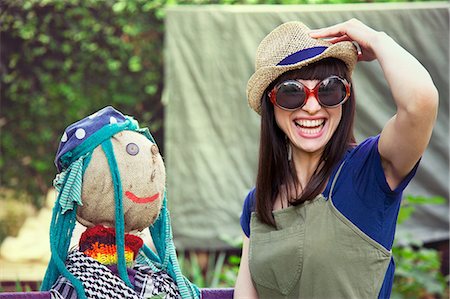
(302, 55)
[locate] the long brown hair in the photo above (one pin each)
(274, 170)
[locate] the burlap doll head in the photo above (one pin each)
(142, 185)
(112, 176)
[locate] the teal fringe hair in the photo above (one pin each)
(120, 222)
(61, 230)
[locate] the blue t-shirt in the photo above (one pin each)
(362, 194)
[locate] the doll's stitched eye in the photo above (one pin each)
(132, 149)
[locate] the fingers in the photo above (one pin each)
(337, 30)
(352, 30)
(348, 28)
(339, 39)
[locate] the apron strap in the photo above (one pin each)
(335, 178)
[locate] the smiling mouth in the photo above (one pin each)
(137, 199)
(310, 127)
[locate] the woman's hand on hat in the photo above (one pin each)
(352, 30)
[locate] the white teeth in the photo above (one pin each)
(310, 131)
(310, 123)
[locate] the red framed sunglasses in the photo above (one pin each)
(291, 94)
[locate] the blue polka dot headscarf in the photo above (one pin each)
(72, 158)
(79, 132)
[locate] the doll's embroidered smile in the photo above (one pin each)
(137, 199)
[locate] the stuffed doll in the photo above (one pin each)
(112, 180)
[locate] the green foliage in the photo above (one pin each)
(19, 286)
(206, 273)
(23, 287)
(410, 203)
(417, 273)
(230, 271)
(63, 60)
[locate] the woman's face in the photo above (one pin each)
(310, 127)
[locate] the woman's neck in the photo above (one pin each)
(305, 165)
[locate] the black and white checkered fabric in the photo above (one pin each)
(99, 282)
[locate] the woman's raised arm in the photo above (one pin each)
(406, 135)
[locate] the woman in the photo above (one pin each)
(320, 222)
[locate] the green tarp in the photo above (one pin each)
(211, 135)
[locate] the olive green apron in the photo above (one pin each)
(315, 252)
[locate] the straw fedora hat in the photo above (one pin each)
(290, 47)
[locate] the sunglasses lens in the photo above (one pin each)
(332, 92)
(290, 95)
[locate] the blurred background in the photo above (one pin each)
(181, 68)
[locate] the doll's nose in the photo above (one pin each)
(154, 149)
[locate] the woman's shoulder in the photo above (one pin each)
(250, 200)
(365, 148)
(248, 208)
(360, 158)
(355, 157)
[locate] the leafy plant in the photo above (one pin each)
(61, 61)
(230, 271)
(417, 273)
(206, 274)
